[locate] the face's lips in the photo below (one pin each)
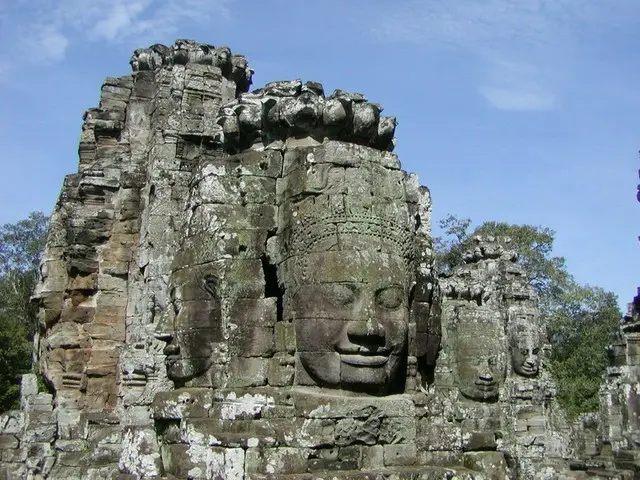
(485, 385)
(529, 370)
(171, 359)
(362, 350)
(364, 360)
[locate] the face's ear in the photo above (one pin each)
(412, 290)
(211, 284)
(175, 299)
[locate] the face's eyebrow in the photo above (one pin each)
(353, 285)
(386, 285)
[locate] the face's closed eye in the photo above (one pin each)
(390, 297)
(176, 297)
(339, 294)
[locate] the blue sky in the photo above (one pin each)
(524, 111)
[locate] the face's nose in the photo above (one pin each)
(368, 333)
(164, 336)
(171, 348)
(485, 373)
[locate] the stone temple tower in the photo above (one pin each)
(241, 286)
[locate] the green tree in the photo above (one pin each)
(15, 359)
(21, 245)
(450, 247)
(581, 319)
(580, 329)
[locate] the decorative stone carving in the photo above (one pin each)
(347, 275)
(524, 343)
(185, 52)
(480, 359)
(351, 313)
(289, 110)
(197, 323)
(475, 316)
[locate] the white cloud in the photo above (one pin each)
(536, 32)
(38, 32)
(518, 98)
(516, 86)
(119, 20)
(46, 44)
(485, 23)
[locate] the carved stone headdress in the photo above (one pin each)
(346, 231)
(311, 231)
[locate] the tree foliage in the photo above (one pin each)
(15, 359)
(581, 319)
(21, 245)
(580, 331)
(450, 247)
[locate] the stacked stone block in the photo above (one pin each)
(616, 436)
(98, 298)
(270, 433)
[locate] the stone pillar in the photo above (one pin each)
(114, 232)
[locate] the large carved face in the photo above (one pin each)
(480, 362)
(197, 324)
(524, 345)
(351, 315)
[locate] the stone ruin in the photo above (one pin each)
(241, 286)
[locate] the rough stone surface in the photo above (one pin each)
(241, 286)
(610, 441)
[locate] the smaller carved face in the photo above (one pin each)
(197, 325)
(525, 347)
(480, 364)
(524, 358)
(478, 376)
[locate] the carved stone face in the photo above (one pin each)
(480, 364)
(524, 357)
(351, 316)
(197, 325)
(525, 345)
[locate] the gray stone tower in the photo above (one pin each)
(241, 286)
